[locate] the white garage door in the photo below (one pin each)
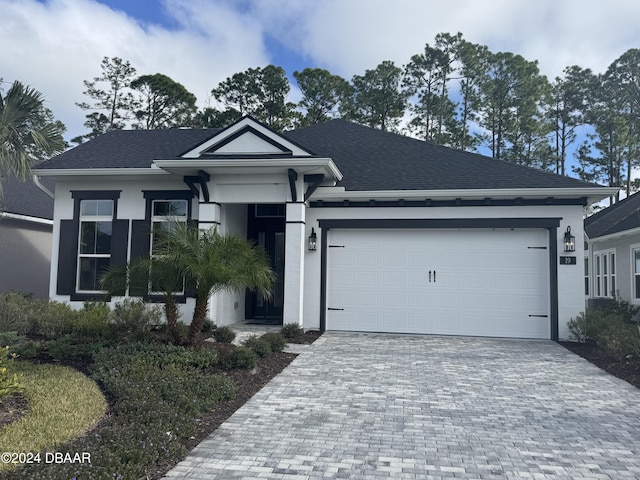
(451, 282)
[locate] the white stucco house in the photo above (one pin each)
(366, 230)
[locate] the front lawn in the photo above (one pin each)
(62, 404)
(162, 398)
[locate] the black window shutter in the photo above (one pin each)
(119, 242)
(67, 257)
(140, 244)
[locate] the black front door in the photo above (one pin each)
(266, 229)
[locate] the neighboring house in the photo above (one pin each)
(366, 230)
(26, 224)
(612, 257)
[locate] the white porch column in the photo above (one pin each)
(295, 243)
(208, 217)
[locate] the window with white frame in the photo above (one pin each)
(586, 276)
(635, 256)
(165, 214)
(94, 246)
(605, 273)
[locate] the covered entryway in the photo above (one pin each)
(478, 282)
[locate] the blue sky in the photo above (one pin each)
(54, 45)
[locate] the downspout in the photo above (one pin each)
(48, 192)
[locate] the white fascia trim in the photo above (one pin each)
(26, 218)
(98, 172)
(233, 163)
(594, 194)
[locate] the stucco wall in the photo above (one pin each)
(25, 257)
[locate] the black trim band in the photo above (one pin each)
(458, 202)
(440, 223)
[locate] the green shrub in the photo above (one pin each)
(26, 349)
(89, 324)
(46, 318)
(257, 345)
(609, 329)
(240, 357)
(588, 326)
(10, 338)
(133, 319)
(623, 309)
(14, 313)
(208, 326)
(9, 380)
(621, 340)
(19, 345)
(224, 335)
(161, 356)
(69, 348)
(276, 342)
(291, 330)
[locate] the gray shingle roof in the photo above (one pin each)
(25, 198)
(619, 217)
(130, 148)
(369, 159)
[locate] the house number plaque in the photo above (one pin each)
(568, 261)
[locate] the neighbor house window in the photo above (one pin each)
(165, 214)
(94, 245)
(636, 273)
(605, 273)
(586, 276)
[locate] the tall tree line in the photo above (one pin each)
(453, 93)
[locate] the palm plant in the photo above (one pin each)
(189, 258)
(212, 263)
(141, 275)
(28, 132)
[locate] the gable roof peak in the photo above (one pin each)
(247, 137)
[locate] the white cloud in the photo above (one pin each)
(349, 36)
(57, 44)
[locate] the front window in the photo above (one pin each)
(605, 274)
(94, 247)
(164, 216)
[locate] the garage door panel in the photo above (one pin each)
(371, 278)
(392, 278)
(417, 301)
(367, 298)
(486, 282)
(393, 299)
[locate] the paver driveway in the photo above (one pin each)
(389, 406)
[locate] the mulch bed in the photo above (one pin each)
(628, 369)
(12, 408)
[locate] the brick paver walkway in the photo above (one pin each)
(419, 407)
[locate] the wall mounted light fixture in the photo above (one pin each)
(313, 241)
(569, 241)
